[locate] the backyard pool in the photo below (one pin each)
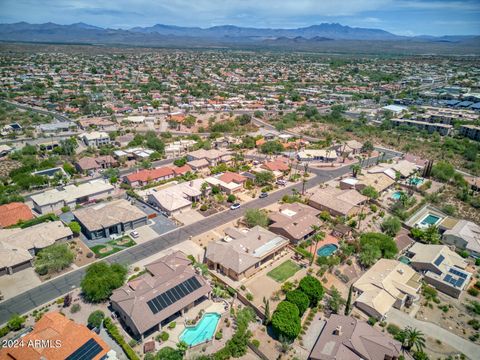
(203, 331)
(396, 195)
(430, 220)
(416, 181)
(327, 250)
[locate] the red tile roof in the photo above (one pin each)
(150, 174)
(53, 327)
(180, 170)
(228, 177)
(12, 213)
(276, 165)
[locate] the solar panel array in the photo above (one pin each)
(458, 273)
(439, 260)
(457, 282)
(87, 351)
(174, 294)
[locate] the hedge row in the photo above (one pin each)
(115, 334)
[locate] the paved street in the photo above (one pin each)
(58, 287)
(466, 347)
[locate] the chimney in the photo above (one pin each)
(401, 271)
(247, 250)
(338, 330)
(259, 237)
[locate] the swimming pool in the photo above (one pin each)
(396, 195)
(430, 219)
(327, 250)
(416, 181)
(203, 331)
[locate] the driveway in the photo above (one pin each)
(464, 346)
(19, 282)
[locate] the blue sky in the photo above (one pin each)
(403, 17)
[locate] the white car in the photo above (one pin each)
(281, 182)
(134, 234)
(235, 206)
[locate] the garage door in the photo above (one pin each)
(21, 267)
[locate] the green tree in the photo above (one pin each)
(263, 178)
(286, 320)
(101, 279)
(168, 353)
(298, 298)
(429, 235)
(348, 305)
(75, 227)
(370, 192)
(443, 171)
(312, 288)
(95, 319)
(271, 147)
(386, 244)
(254, 217)
(335, 302)
(53, 258)
(69, 168)
(356, 170)
(266, 302)
(414, 338)
(15, 322)
(369, 255)
(391, 225)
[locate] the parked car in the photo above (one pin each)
(281, 182)
(235, 206)
(263, 195)
(134, 234)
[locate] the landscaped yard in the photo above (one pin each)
(112, 246)
(284, 271)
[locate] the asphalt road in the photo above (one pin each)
(61, 285)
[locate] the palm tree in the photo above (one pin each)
(317, 237)
(356, 170)
(414, 337)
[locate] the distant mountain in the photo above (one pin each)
(332, 31)
(322, 37)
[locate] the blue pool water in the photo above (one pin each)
(430, 220)
(327, 250)
(416, 181)
(203, 331)
(396, 195)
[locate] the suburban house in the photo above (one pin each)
(350, 147)
(168, 288)
(294, 221)
(11, 214)
(143, 177)
(53, 200)
(347, 338)
(464, 235)
(87, 163)
(198, 164)
(441, 267)
(105, 219)
(380, 182)
(387, 283)
(96, 138)
(213, 156)
(178, 148)
(240, 254)
(317, 155)
(277, 164)
(19, 246)
(228, 182)
(337, 202)
(124, 140)
(64, 339)
(176, 198)
(97, 123)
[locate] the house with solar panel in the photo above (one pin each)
(441, 267)
(169, 287)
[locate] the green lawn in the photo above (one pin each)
(284, 271)
(96, 249)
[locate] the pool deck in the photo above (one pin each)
(421, 214)
(329, 239)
